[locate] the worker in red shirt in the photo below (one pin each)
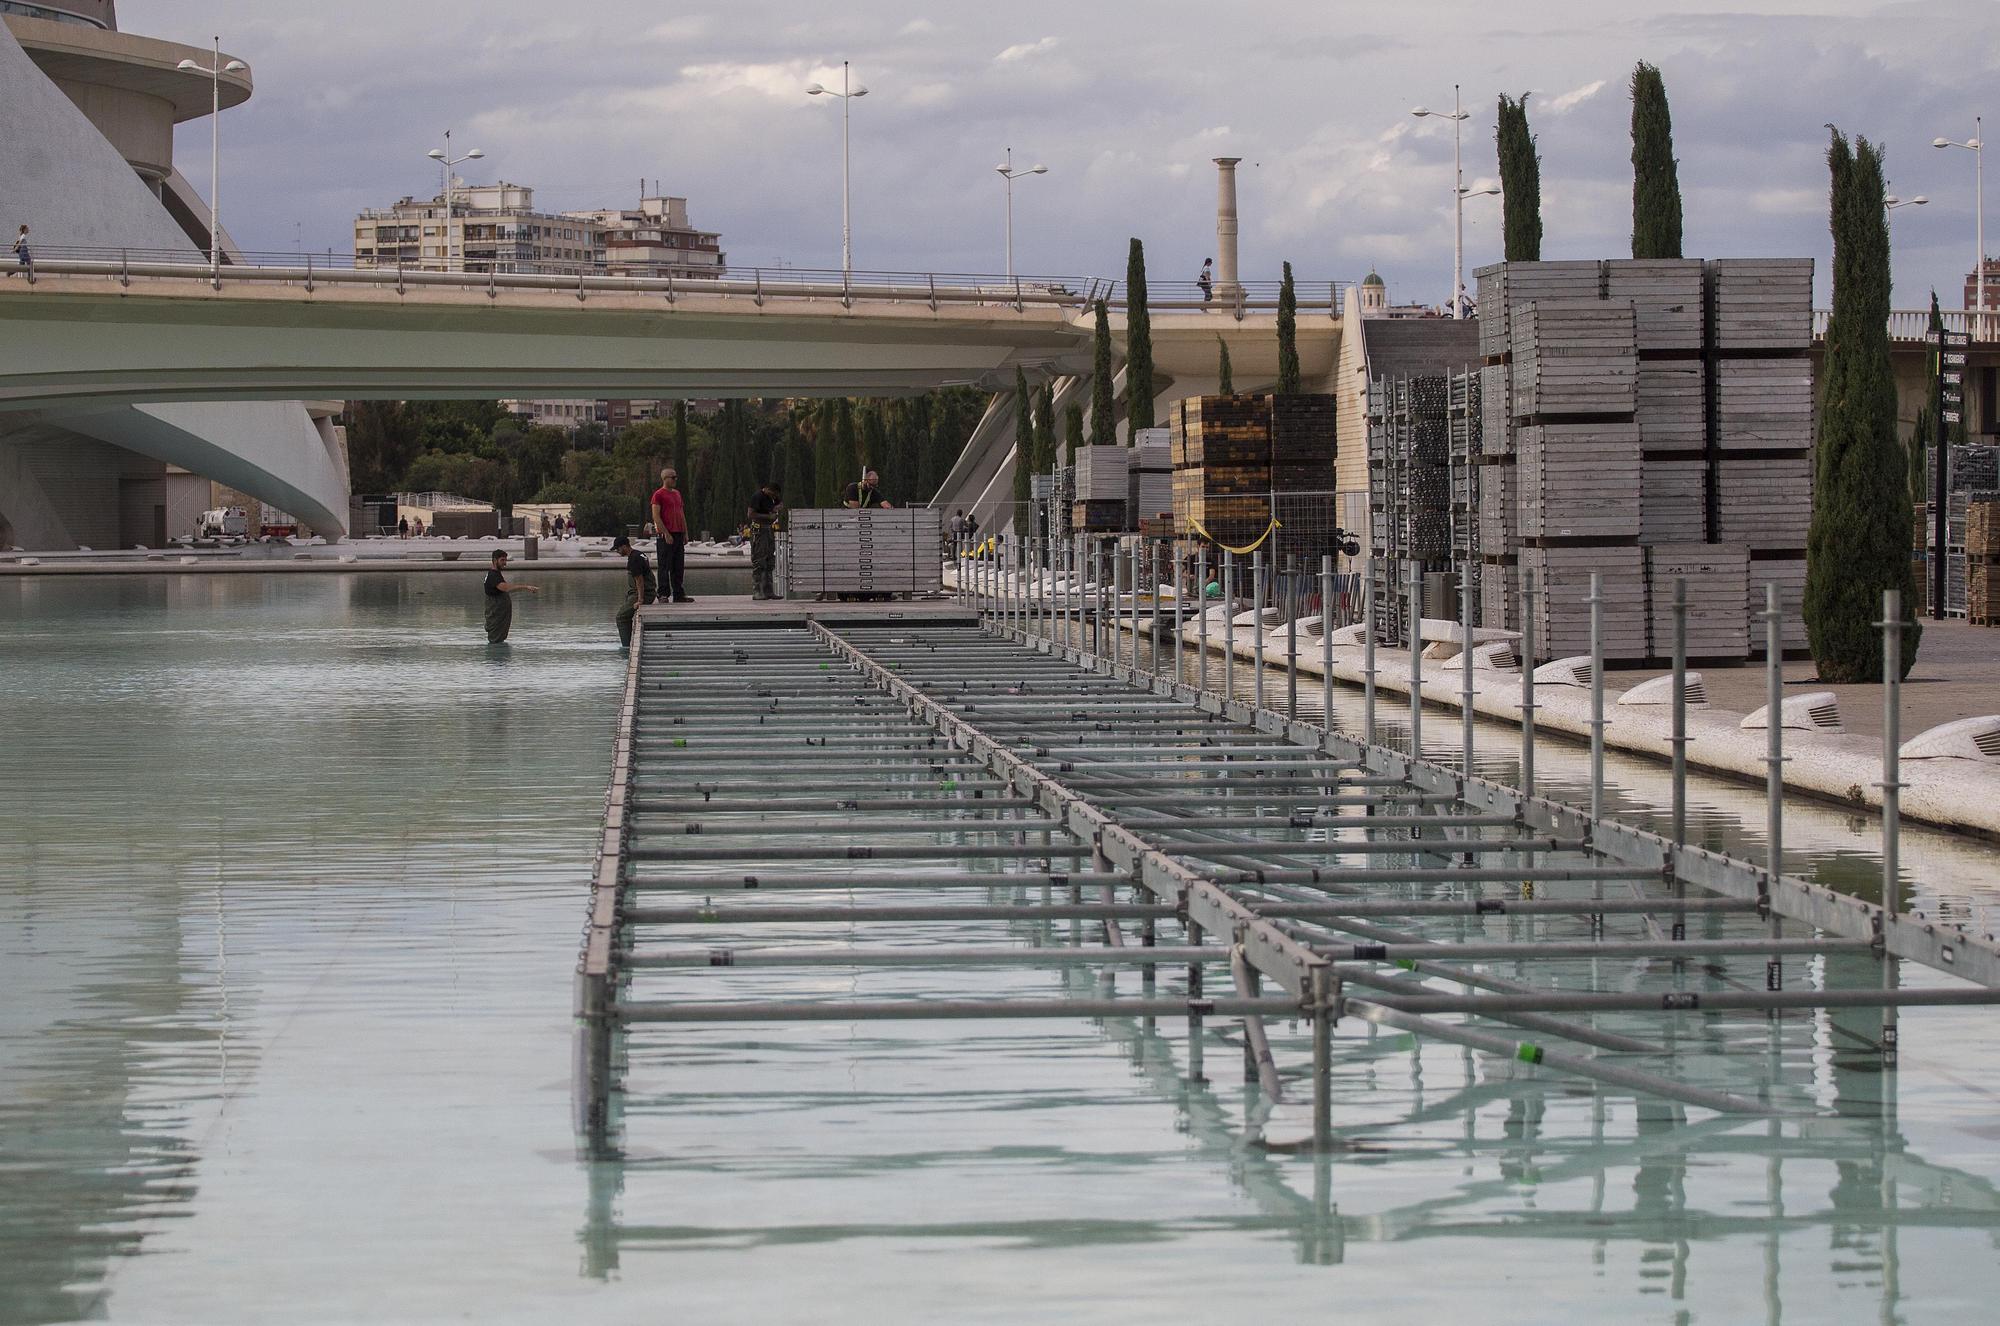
(671, 528)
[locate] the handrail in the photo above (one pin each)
(754, 284)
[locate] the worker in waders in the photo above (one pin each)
(500, 593)
(640, 587)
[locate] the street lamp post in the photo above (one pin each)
(215, 73)
(1009, 174)
(846, 94)
(1458, 116)
(450, 163)
(1977, 146)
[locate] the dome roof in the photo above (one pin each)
(1373, 279)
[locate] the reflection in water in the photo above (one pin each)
(288, 913)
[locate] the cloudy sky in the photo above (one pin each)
(1125, 102)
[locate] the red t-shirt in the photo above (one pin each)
(667, 513)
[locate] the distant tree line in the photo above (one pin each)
(813, 447)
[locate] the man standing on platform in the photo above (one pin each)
(765, 508)
(671, 527)
(867, 493)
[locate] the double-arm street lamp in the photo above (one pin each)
(215, 73)
(1977, 147)
(450, 162)
(1009, 174)
(1459, 193)
(846, 94)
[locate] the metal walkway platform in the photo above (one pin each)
(983, 813)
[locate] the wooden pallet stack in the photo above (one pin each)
(1220, 447)
(1302, 442)
(1150, 484)
(1718, 585)
(838, 551)
(1562, 610)
(1982, 550)
(1578, 481)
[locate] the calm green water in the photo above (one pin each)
(291, 887)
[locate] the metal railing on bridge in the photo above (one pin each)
(756, 284)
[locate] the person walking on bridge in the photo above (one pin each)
(670, 528)
(500, 593)
(22, 258)
(765, 508)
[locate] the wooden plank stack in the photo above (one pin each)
(1302, 442)
(1766, 503)
(1101, 474)
(1151, 479)
(1761, 304)
(1575, 357)
(1764, 404)
(1578, 481)
(1718, 580)
(1982, 555)
(1562, 612)
(1220, 447)
(1667, 301)
(839, 551)
(1673, 405)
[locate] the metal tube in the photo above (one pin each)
(1153, 590)
(890, 1010)
(1326, 640)
(1368, 656)
(1180, 619)
(1564, 951)
(1774, 763)
(1527, 682)
(1465, 661)
(1892, 787)
(1288, 583)
(1416, 660)
(1258, 589)
(1697, 1001)
(790, 915)
(1228, 625)
(928, 955)
(1201, 598)
(1132, 554)
(1256, 1045)
(1118, 588)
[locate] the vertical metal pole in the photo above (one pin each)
(1097, 598)
(1322, 1034)
(1134, 555)
(1117, 605)
(1368, 655)
(1527, 682)
(1180, 619)
(1194, 1031)
(1465, 661)
(1288, 588)
(1892, 791)
(1257, 590)
(1201, 621)
(1228, 625)
(1153, 593)
(1774, 778)
(1680, 739)
(1596, 697)
(1416, 660)
(1326, 640)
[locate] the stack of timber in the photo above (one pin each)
(1667, 301)
(1673, 406)
(1579, 481)
(1151, 484)
(1718, 583)
(1101, 473)
(1982, 553)
(1302, 442)
(1764, 404)
(839, 551)
(1673, 500)
(1574, 357)
(1761, 304)
(1221, 452)
(1562, 608)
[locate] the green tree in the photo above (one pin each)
(1138, 342)
(1073, 431)
(798, 476)
(1226, 381)
(846, 449)
(1520, 181)
(828, 473)
(1656, 185)
(1103, 404)
(1024, 444)
(1859, 543)
(381, 443)
(1045, 429)
(1288, 335)
(681, 437)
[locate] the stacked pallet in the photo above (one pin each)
(1562, 610)
(1221, 452)
(1302, 442)
(1764, 504)
(1672, 405)
(1150, 487)
(1507, 287)
(1673, 499)
(840, 551)
(1101, 473)
(1667, 301)
(1975, 468)
(1718, 584)
(1761, 304)
(1578, 481)
(1764, 404)
(1982, 554)
(1574, 357)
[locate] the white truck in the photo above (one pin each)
(223, 522)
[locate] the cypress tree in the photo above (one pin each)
(1138, 342)
(1045, 429)
(1288, 336)
(1520, 180)
(1073, 430)
(1024, 443)
(681, 440)
(875, 439)
(1225, 381)
(1859, 544)
(846, 448)
(798, 466)
(1656, 185)
(828, 473)
(1103, 406)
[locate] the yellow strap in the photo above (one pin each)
(1251, 546)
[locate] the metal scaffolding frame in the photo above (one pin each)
(997, 763)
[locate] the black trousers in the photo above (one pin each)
(673, 566)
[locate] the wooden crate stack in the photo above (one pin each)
(1221, 452)
(1562, 609)
(1982, 551)
(838, 551)
(1578, 481)
(1574, 357)
(1150, 485)
(1718, 585)
(1099, 504)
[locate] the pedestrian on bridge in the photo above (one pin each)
(1207, 279)
(22, 258)
(500, 593)
(640, 587)
(765, 508)
(670, 529)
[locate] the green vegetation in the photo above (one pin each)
(477, 450)
(1859, 544)
(1024, 442)
(1288, 336)
(1656, 185)
(1103, 403)
(1520, 181)
(1138, 343)
(1225, 380)
(1045, 429)
(1072, 431)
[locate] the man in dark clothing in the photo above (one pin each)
(639, 587)
(671, 528)
(867, 493)
(765, 508)
(500, 600)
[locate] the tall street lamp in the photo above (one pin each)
(1009, 174)
(1458, 117)
(215, 73)
(1977, 147)
(846, 94)
(450, 162)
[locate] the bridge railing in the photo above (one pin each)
(757, 284)
(1914, 324)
